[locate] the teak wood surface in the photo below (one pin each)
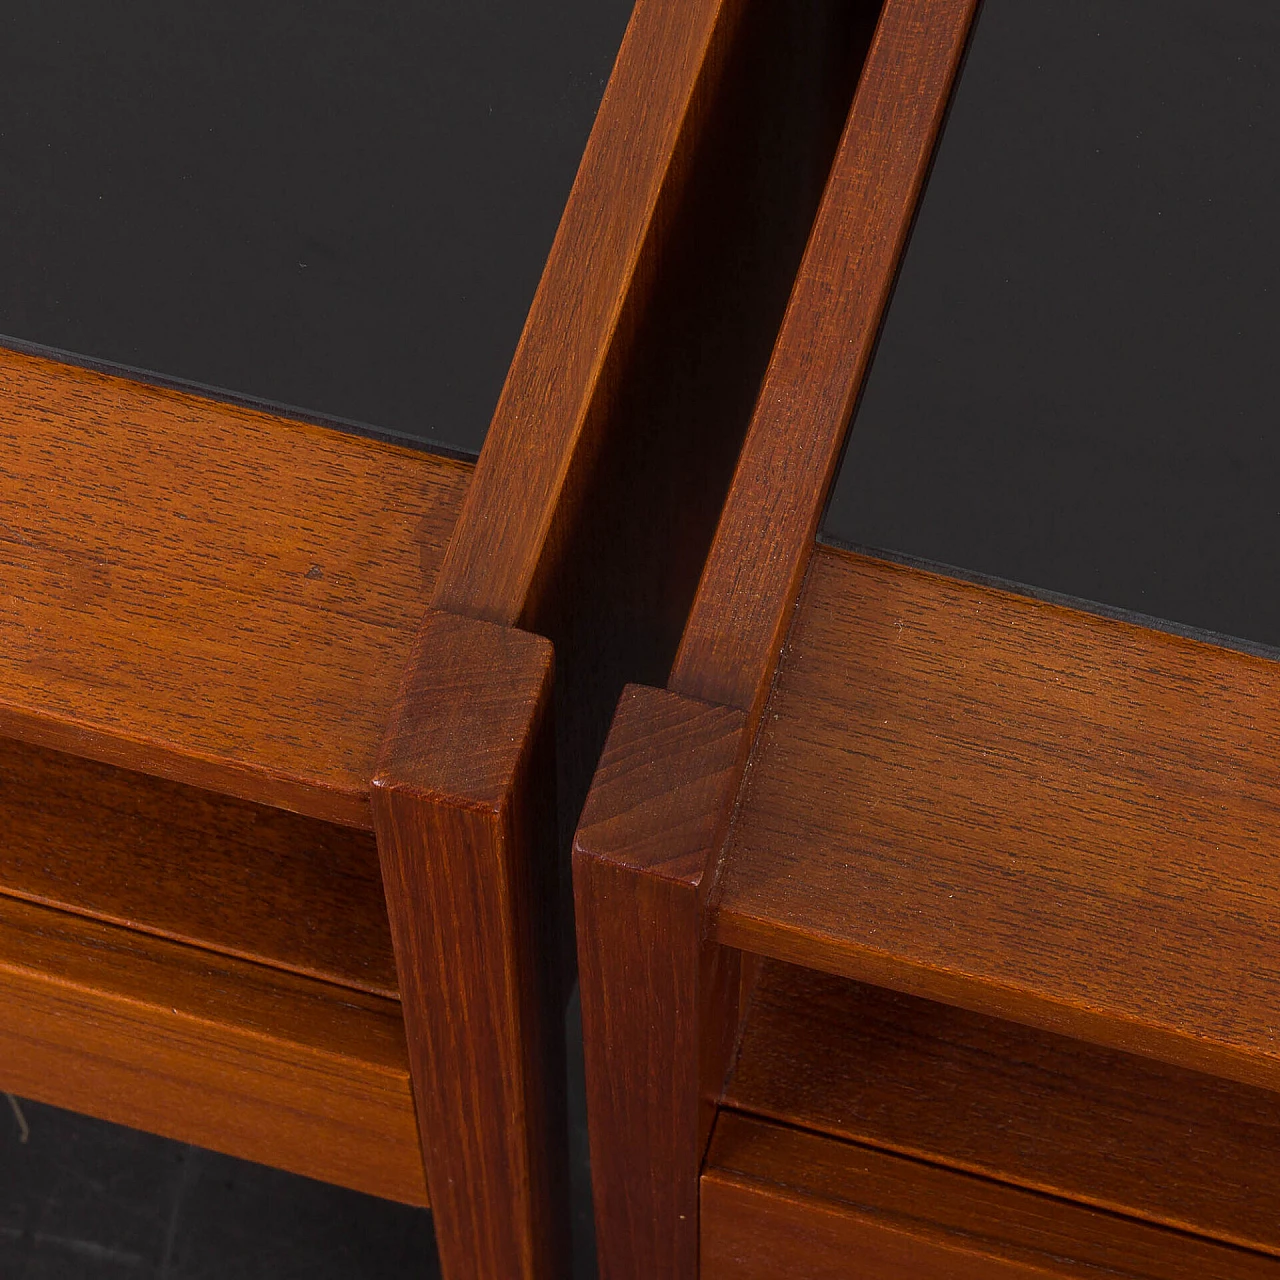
(1098, 797)
(580, 325)
(779, 1201)
(642, 867)
(185, 864)
(646, 850)
(1032, 811)
(464, 807)
(204, 1048)
(770, 516)
(206, 592)
(592, 538)
(253, 643)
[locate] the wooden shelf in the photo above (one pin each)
(1016, 1105)
(205, 592)
(181, 863)
(1021, 809)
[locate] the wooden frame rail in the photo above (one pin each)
(1046, 1113)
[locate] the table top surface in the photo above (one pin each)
(336, 207)
(1074, 387)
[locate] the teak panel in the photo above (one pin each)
(206, 1049)
(1014, 1104)
(186, 864)
(1031, 811)
(777, 1201)
(206, 592)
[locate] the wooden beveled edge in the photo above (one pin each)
(552, 412)
(752, 577)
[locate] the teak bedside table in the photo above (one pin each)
(227, 724)
(927, 924)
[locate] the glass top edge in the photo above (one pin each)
(1080, 604)
(221, 395)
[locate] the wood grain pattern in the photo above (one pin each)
(206, 592)
(777, 1201)
(753, 574)
(467, 868)
(185, 864)
(594, 499)
(1020, 1106)
(659, 1006)
(629, 555)
(1015, 807)
(550, 416)
(202, 1048)
(464, 804)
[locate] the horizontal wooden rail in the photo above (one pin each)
(779, 1201)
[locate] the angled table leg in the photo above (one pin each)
(463, 802)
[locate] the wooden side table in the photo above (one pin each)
(926, 925)
(283, 724)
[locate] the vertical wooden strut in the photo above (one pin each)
(463, 805)
(465, 791)
(657, 997)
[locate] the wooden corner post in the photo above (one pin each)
(463, 805)
(660, 1001)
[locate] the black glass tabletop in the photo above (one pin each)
(329, 204)
(1075, 384)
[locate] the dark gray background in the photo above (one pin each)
(1075, 386)
(84, 1200)
(339, 205)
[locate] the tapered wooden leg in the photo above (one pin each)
(463, 804)
(659, 1002)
